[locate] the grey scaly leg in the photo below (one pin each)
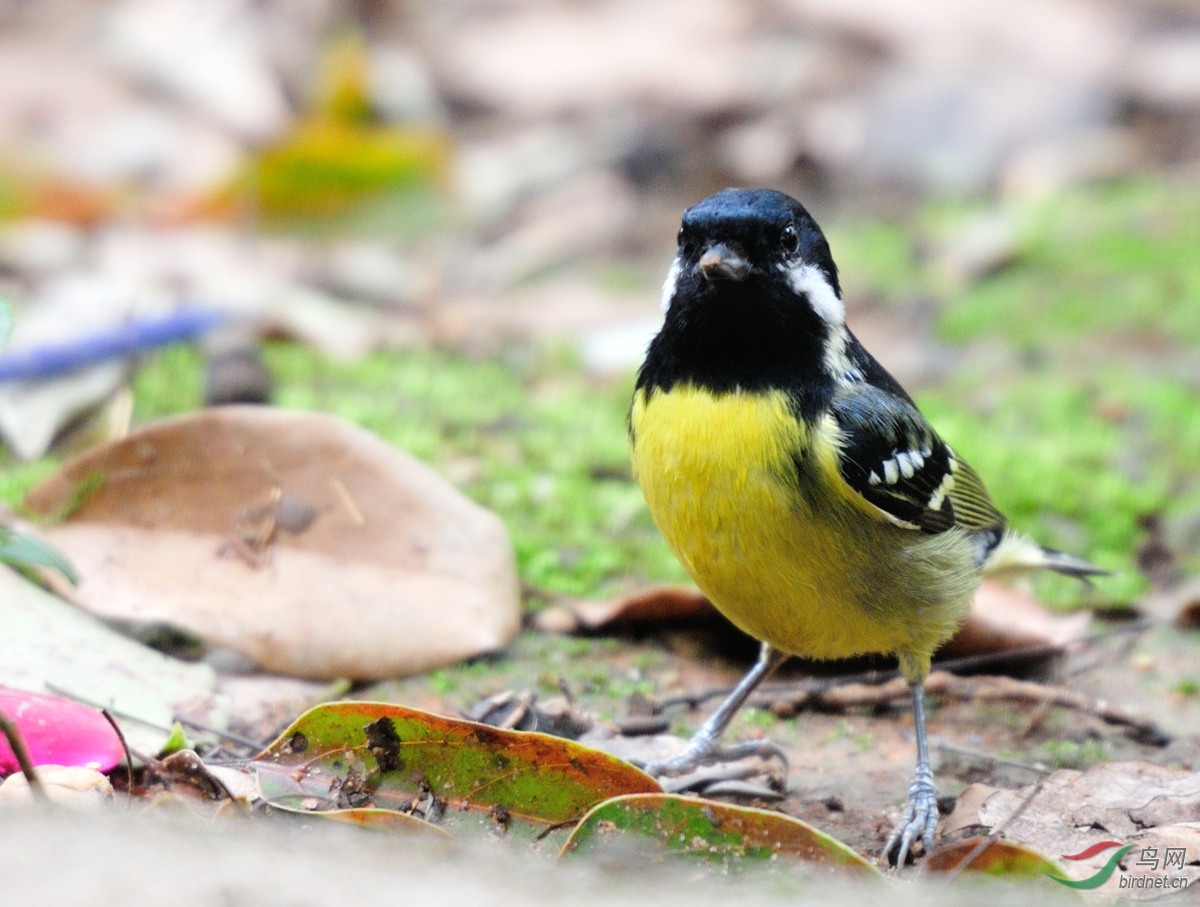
(921, 812)
(705, 748)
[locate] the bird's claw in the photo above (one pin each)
(701, 752)
(918, 820)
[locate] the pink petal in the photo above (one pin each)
(58, 732)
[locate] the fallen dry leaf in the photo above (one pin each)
(395, 573)
(965, 815)
(656, 606)
(32, 413)
(1135, 802)
(1121, 797)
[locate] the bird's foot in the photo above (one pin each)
(704, 751)
(918, 820)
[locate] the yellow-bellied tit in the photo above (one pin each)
(796, 480)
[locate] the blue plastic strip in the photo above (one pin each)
(126, 339)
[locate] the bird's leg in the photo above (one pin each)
(921, 812)
(705, 748)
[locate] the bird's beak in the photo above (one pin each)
(719, 262)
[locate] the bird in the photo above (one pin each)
(796, 480)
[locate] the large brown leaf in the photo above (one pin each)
(300, 540)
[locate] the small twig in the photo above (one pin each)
(992, 836)
(348, 502)
(17, 744)
(1130, 631)
(850, 695)
(987, 659)
(795, 692)
(83, 700)
(1040, 711)
(945, 747)
(1009, 689)
(989, 688)
(124, 745)
(810, 685)
(875, 688)
(550, 829)
(224, 735)
(126, 716)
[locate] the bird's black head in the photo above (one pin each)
(755, 234)
(751, 298)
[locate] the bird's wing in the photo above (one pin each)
(890, 455)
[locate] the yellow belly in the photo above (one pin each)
(791, 562)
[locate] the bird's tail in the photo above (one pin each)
(1016, 554)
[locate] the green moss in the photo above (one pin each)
(171, 381)
(864, 742)
(17, 478)
(752, 717)
(1186, 687)
(1118, 260)
(443, 681)
(877, 258)
(1073, 754)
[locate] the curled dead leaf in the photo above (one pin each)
(965, 815)
(302, 541)
(655, 606)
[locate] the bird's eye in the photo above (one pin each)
(679, 237)
(789, 239)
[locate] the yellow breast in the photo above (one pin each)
(796, 564)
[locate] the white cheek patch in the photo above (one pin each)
(668, 287)
(811, 281)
